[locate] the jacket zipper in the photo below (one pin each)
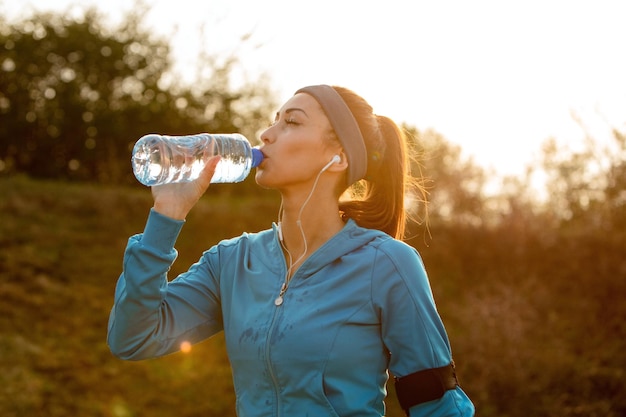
(268, 360)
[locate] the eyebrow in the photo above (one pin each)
(291, 110)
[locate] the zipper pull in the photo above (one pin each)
(279, 300)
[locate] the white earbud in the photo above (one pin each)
(335, 159)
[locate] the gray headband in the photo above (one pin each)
(343, 122)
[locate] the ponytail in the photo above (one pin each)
(378, 201)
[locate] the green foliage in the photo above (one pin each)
(75, 96)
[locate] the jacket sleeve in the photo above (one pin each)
(412, 329)
(151, 316)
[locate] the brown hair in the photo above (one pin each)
(378, 201)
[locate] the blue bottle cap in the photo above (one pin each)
(257, 157)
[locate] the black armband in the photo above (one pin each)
(426, 385)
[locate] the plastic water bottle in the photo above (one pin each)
(161, 159)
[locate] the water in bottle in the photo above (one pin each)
(161, 159)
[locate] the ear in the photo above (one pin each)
(341, 164)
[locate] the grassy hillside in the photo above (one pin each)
(61, 248)
(533, 332)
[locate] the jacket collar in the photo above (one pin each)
(348, 239)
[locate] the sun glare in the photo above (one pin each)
(185, 347)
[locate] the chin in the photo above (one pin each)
(261, 180)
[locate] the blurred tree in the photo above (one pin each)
(587, 188)
(75, 95)
(615, 190)
(456, 185)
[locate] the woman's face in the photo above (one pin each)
(296, 146)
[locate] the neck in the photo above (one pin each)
(316, 222)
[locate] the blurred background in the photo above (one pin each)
(517, 110)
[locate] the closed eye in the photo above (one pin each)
(289, 118)
(289, 121)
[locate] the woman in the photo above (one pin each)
(317, 309)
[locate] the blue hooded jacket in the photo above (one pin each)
(358, 307)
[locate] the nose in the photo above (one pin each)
(267, 135)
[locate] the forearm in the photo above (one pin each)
(135, 322)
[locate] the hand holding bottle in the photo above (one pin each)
(175, 200)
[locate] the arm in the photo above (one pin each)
(412, 329)
(151, 317)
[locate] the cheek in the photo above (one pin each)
(301, 166)
(289, 170)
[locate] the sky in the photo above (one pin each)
(496, 77)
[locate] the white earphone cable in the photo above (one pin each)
(292, 264)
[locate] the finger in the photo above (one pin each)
(208, 171)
